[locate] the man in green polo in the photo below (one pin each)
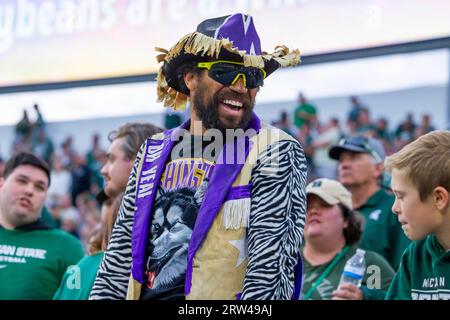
(361, 172)
(33, 255)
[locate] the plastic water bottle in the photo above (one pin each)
(354, 270)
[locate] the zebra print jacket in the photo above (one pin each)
(277, 217)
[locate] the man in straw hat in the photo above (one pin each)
(220, 222)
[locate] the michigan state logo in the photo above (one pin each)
(317, 184)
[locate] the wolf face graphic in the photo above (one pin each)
(171, 230)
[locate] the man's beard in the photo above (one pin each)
(208, 111)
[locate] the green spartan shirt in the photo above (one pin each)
(377, 278)
(306, 108)
(382, 233)
(78, 280)
(424, 273)
(33, 262)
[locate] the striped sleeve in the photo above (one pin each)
(277, 219)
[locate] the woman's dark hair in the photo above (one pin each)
(352, 233)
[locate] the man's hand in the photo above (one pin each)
(347, 292)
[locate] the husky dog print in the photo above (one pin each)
(171, 230)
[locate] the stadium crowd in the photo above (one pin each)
(78, 195)
(226, 206)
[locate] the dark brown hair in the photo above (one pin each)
(24, 158)
(352, 233)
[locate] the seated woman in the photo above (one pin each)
(332, 232)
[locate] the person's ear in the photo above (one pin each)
(345, 224)
(440, 197)
(190, 79)
(379, 168)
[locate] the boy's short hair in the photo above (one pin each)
(25, 158)
(426, 162)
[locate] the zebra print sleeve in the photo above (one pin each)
(277, 219)
(113, 275)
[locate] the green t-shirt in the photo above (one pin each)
(382, 233)
(424, 273)
(33, 262)
(78, 280)
(378, 275)
(306, 108)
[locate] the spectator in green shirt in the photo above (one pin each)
(332, 232)
(33, 255)
(421, 184)
(360, 170)
(305, 112)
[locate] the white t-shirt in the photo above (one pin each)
(60, 183)
(321, 157)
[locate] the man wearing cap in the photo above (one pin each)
(220, 222)
(360, 170)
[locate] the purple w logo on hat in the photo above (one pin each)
(238, 28)
(230, 38)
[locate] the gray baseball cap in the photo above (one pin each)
(359, 144)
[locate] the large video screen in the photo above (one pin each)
(46, 41)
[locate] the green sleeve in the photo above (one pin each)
(400, 288)
(78, 280)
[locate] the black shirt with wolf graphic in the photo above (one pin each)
(176, 205)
